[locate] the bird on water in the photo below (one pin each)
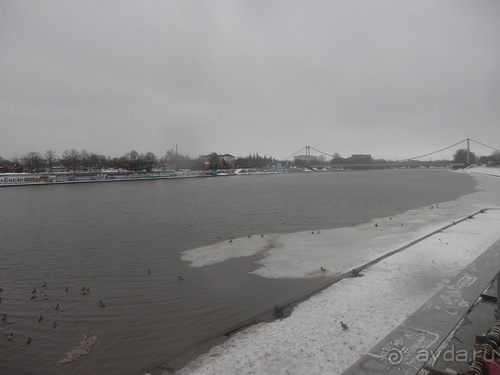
(344, 326)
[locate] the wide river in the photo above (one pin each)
(106, 236)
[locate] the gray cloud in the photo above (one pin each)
(394, 79)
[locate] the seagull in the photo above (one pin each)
(29, 341)
(101, 304)
(149, 271)
(11, 337)
(344, 326)
(44, 285)
(57, 307)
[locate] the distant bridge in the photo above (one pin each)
(412, 162)
(393, 164)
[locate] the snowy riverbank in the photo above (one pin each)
(311, 339)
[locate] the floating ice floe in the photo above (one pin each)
(83, 348)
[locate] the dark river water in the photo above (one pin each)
(105, 236)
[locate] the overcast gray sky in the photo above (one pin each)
(393, 79)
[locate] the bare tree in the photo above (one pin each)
(70, 159)
(50, 158)
(32, 161)
(133, 161)
(93, 161)
(150, 161)
(213, 160)
(84, 159)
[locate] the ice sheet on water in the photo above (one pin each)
(83, 348)
(233, 248)
(338, 250)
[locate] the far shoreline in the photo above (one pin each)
(68, 178)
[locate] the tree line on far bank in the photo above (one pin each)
(74, 161)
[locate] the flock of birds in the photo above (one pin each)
(249, 236)
(85, 290)
(34, 293)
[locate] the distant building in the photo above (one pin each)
(361, 158)
(227, 159)
(10, 169)
(224, 161)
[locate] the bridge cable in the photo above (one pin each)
(321, 152)
(482, 144)
(295, 153)
(434, 152)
